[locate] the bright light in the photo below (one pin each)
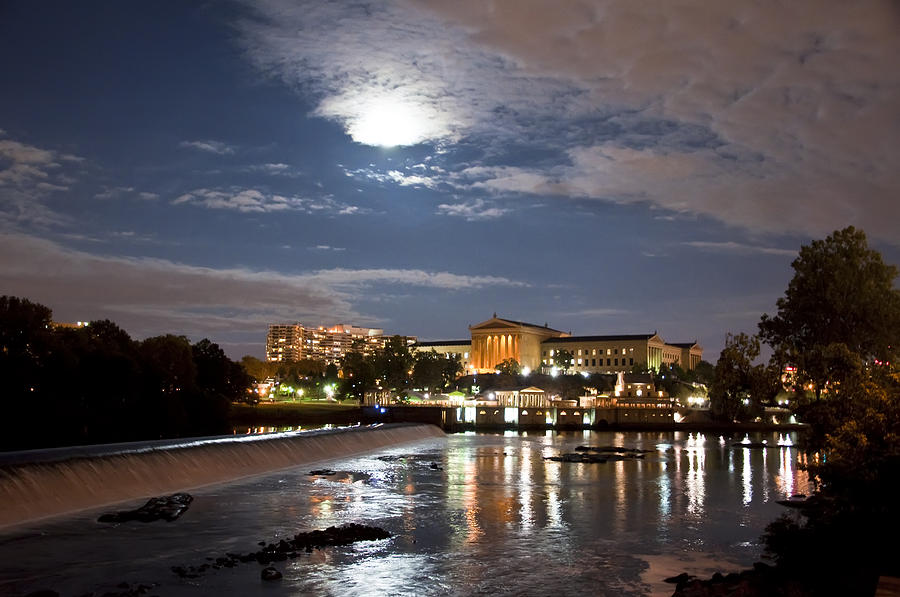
(392, 122)
(329, 390)
(554, 372)
(526, 371)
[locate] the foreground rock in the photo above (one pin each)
(289, 549)
(762, 581)
(166, 508)
(270, 573)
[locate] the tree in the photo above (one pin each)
(563, 359)
(842, 293)
(393, 363)
(703, 373)
(509, 366)
(740, 387)
(257, 369)
(359, 374)
(451, 369)
(217, 374)
(427, 370)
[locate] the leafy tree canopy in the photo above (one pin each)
(842, 292)
(509, 367)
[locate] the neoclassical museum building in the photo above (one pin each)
(534, 346)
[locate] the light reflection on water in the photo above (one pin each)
(475, 513)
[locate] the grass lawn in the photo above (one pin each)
(288, 413)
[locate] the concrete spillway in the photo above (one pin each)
(52, 483)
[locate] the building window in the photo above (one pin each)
(616, 361)
(608, 362)
(593, 362)
(631, 361)
(594, 352)
(608, 351)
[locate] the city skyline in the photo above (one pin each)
(606, 167)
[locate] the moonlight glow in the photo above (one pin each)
(391, 123)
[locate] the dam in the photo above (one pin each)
(42, 483)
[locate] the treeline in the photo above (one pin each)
(838, 328)
(94, 384)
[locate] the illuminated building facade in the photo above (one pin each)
(534, 347)
(295, 342)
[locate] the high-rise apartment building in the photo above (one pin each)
(294, 342)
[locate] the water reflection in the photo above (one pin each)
(746, 476)
(696, 475)
(492, 516)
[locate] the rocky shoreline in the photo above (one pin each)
(762, 580)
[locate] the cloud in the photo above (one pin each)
(327, 248)
(151, 296)
(113, 192)
(779, 122)
(210, 146)
(28, 174)
(394, 177)
(740, 248)
(594, 313)
(474, 210)
(117, 192)
(256, 201)
(274, 169)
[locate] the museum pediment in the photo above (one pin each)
(495, 323)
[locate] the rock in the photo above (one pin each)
(683, 577)
(289, 548)
(270, 573)
(168, 508)
(612, 449)
(322, 472)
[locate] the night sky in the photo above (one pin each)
(603, 166)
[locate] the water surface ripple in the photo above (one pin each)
(471, 514)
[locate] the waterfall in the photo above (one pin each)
(53, 484)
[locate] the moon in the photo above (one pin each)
(393, 123)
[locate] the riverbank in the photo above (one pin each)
(277, 414)
(322, 413)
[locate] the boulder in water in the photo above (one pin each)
(270, 573)
(166, 508)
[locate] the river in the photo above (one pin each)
(470, 514)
